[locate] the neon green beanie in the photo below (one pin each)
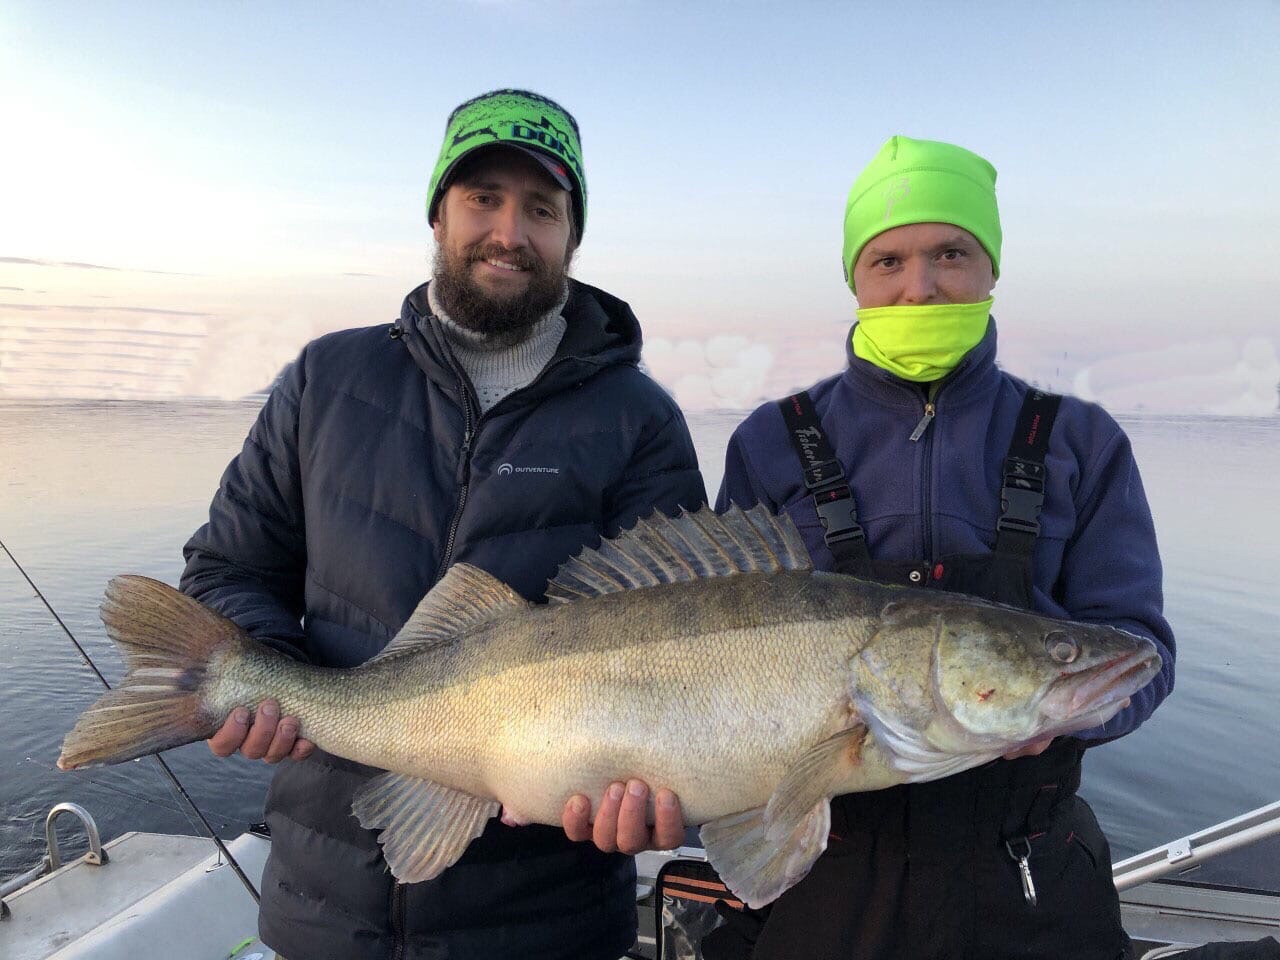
(518, 118)
(922, 181)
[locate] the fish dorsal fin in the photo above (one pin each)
(692, 546)
(465, 598)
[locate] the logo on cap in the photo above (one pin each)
(895, 192)
(548, 135)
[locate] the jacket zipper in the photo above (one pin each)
(464, 480)
(929, 413)
(926, 491)
(469, 426)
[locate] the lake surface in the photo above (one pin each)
(90, 490)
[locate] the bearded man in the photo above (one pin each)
(501, 421)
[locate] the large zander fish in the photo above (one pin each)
(701, 653)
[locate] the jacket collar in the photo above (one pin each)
(975, 374)
(601, 331)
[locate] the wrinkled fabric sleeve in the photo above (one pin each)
(248, 562)
(662, 475)
(1111, 573)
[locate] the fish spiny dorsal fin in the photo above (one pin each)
(692, 546)
(465, 598)
(746, 544)
(781, 534)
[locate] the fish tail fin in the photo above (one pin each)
(167, 640)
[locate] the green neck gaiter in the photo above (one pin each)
(920, 344)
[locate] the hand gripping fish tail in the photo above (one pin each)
(700, 653)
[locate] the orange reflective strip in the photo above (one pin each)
(705, 884)
(684, 895)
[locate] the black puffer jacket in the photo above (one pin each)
(369, 471)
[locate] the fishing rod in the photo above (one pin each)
(222, 847)
(102, 784)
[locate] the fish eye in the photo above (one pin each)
(1061, 647)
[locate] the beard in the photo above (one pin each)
(503, 320)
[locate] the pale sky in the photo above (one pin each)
(259, 169)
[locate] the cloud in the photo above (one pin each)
(1224, 377)
(76, 265)
(718, 372)
(78, 308)
(18, 289)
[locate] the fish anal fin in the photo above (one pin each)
(756, 868)
(465, 598)
(423, 827)
(815, 777)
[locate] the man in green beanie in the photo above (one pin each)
(924, 464)
(503, 421)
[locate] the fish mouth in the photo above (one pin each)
(1104, 687)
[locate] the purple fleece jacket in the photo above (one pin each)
(1096, 558)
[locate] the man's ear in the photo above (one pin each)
(991, 264)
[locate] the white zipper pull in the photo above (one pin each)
(923, 425)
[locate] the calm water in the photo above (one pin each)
(91, 490)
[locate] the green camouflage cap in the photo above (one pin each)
(532, 123)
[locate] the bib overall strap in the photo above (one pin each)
(824, 479)
(1022, 489)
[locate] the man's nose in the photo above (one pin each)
(919, 284)
(508, 227)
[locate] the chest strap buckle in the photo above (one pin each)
(1021, 496)
(839, 514)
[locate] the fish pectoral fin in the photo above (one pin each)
(813, 779)
(424, 827)
(756, 868)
